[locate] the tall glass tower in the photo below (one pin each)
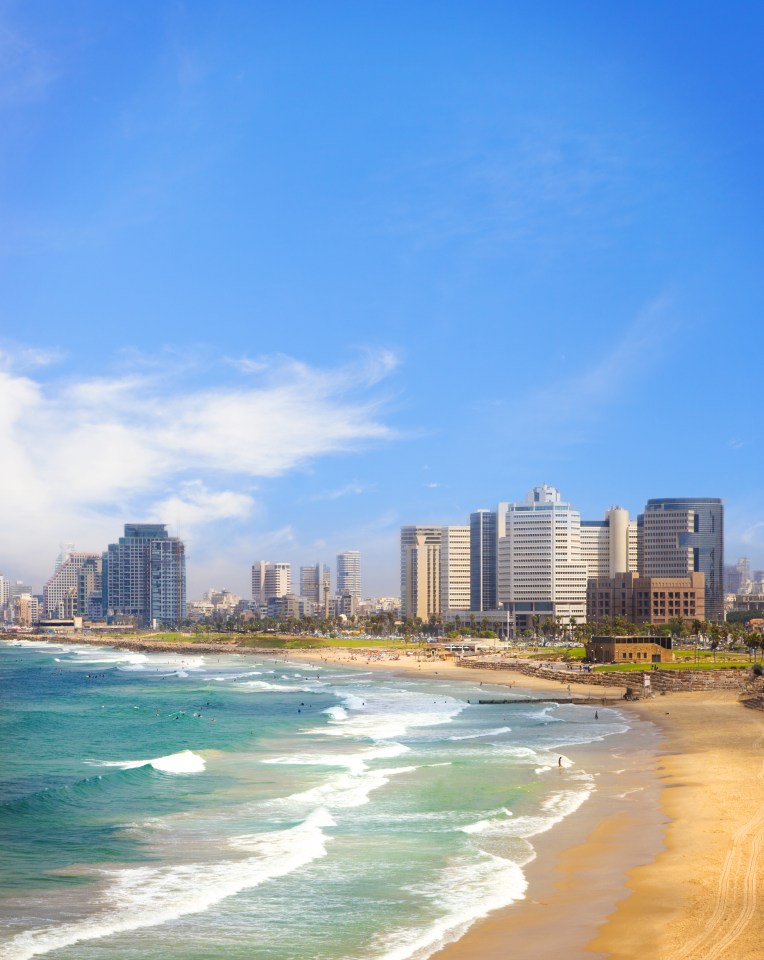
(682, 535)
(483, 560)
(349, 573)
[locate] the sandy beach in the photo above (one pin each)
(674, 875)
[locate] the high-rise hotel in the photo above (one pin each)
(144, 576)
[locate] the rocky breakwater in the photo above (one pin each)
(631, 682)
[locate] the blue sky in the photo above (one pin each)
(289, 275)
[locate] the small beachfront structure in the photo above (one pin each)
(639, 649)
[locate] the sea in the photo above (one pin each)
(268, 808)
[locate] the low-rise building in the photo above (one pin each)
(637, 649)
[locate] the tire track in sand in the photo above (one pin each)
(742, 859)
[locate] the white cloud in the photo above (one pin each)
(195, 505)
(82, 456)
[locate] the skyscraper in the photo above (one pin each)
(349, 573)
(420, 571)
(314, 582)
(270, 580)
(454, 568)
(541, 572)
(683, 535)
(483, 560)
(145, 576)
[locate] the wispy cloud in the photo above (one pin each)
(349, 489)
(539, 183)
(26, 69)
(562, 413)
(82, 455)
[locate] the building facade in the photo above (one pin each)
(541, 572)
(270, 580)
(482, 562)
(683, 535)
(61, 592)
(640, 650)
(609, 546)
(420, 572)
(349, 573)
(144, 576)
(655, 600)
(455, 568)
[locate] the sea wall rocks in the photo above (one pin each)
(661, 681)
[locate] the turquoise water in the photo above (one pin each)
(193, 806)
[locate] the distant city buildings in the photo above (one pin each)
(511, 568)
(533, 560)
(215, 605)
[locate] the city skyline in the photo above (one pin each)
(288, 279)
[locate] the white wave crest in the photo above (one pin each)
(389, 715)
(267, 687)
(186, 761)
(350, 788)
(483, 733)
(148, 896)
(336, 713)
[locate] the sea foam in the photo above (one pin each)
(146, 896)
(469, 888)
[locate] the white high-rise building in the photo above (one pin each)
(454, 568)
(270, 580)
(609, 546)
(541, 572)
(349, 574)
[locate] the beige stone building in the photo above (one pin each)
(641, 650)
(435, 570)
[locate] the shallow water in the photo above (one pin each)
(189, 806)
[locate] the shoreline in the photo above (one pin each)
(673, 873)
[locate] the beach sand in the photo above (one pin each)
(675, 874)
